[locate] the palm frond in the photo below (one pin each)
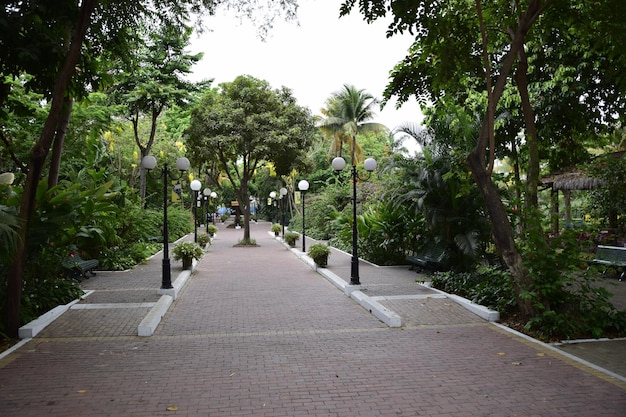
(9, 236)
(349, 112)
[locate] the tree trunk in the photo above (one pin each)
(501, 229)
(145, 150)
(36, 162)
(567, 200)
(554, 211)
(532, 176)
(244, 198)
(142, 178)
(244, 205)
(57, 147)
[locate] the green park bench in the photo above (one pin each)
(77, 268)
(432, 257)
(611, 256)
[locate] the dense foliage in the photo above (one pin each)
(572, 302)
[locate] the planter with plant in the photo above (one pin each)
(276, 228)
(291, 238)
(187, 252)
(204, 239)
(319, 252)
(211, 230)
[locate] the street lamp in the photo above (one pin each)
(195, 187)
(273, 201)
(213, 195)
(182, 164)
(370, 165)
(303, 186)
(283, 193)
(206, 192)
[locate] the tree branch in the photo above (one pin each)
(7, 143)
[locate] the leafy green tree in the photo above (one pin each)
(609, 199)
(155, 81)
(246, 124)
(21, 115)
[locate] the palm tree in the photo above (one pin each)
(348, 112)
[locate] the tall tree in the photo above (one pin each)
(349, 112)
(246, 124)
(155, 81)
(36, 162)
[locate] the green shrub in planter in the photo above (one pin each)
(291, 238)
(211, 229)
(319, 253)
(276, 228)
(187, 251)
(204, 239)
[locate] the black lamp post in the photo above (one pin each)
(272, 202)
(195, 187)
(213, 196)
(182, 164)
(206, 192)
(283, 194)
(370, 165)
(303, 186)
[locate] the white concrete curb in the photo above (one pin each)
(178, 283)
(371, 304)
(481, 311)
(14, 348)
(560, 352)
(383, 314)
(149, 323)
(334, 279)
(30, 330)
(147, 326)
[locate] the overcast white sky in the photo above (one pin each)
(313, 59)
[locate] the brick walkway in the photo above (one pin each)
(256, 332)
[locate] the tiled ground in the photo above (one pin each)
(255, 332)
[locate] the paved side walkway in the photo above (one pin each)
(257, 332)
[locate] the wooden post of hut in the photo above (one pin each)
(554, 211)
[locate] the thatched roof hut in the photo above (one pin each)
(570, 179)
(573, 178)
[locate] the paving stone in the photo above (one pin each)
(256, 332)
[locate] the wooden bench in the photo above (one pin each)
(432, 257)
(78, 268)
(611, 256)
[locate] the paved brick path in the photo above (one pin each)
(256, 332)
